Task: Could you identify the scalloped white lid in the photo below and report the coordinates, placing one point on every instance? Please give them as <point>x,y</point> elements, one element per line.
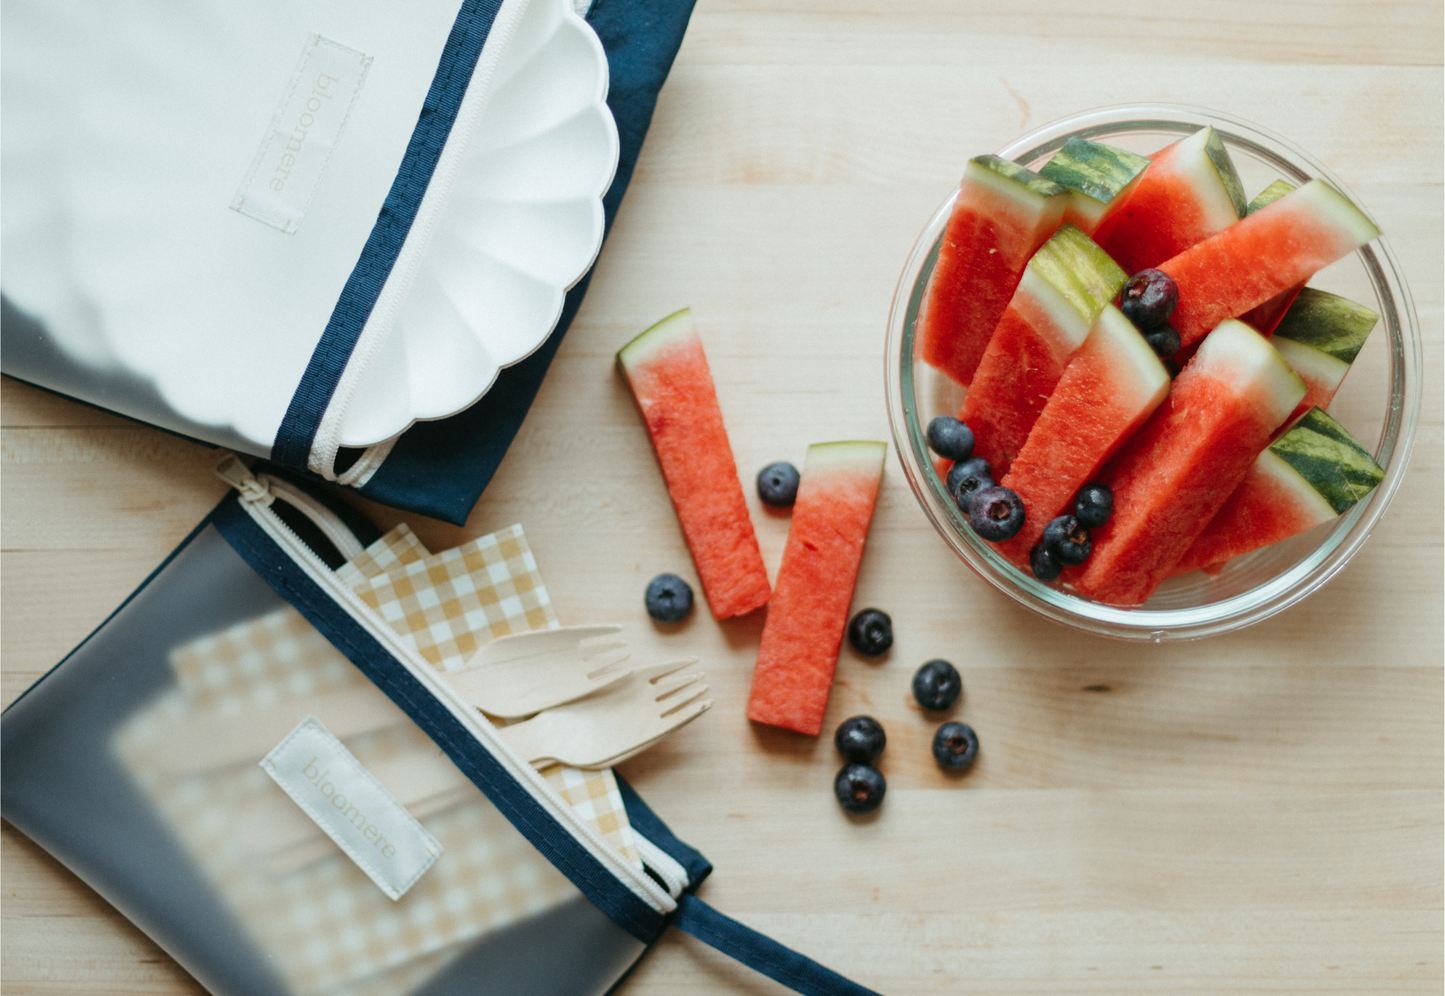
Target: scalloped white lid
<point>127,129</point>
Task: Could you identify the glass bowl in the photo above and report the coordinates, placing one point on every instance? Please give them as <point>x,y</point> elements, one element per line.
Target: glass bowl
<point>1378,402</point>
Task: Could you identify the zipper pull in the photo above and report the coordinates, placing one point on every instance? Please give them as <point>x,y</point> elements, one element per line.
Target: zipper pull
<point>239,476</point>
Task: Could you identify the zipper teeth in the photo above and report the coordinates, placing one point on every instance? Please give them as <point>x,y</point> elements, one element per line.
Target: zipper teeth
<point>474,722</point>
<point>322,517</point>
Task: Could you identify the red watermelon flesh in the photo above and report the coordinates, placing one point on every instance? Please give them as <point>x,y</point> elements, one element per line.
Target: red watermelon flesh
<point>669,376</point>
<point>1177,471</point>
<point>1266,253</point>
<point>1189,192</point>
<point>1064,287</point>
<point>809,610</point>
<point>1313,473</point>
<point>1264,318</point>
<point>1113,383</point>
<point>1002,214</point>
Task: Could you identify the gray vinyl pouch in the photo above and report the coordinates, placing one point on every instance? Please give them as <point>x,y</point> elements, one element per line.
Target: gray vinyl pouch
<point>254,767</point>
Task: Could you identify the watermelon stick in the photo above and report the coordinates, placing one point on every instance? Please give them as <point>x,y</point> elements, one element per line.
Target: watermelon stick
<point>1189,192</point>
<point>1266,317</point>
<point>1064,287</point>
<point>1002,214</point>
<point>800,642</point>
<point>1278,246</point>
<point>1113,383</point>
<point>669,376</point>
<point>1312,474</point>
<point>1320,336</point>
<point>1173,476</point>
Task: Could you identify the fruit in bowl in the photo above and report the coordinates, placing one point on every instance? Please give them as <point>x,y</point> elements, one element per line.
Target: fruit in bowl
<point>1098,406</point>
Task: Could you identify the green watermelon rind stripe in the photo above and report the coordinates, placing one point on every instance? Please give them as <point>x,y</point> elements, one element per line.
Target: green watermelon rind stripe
<point>1083,274</point>
<point>1023,177</point>
<point>1327,322</point>
<point>1094,170</point>
<point>656,336</point>
<point>1328,458</point>
<point>1269,195</point>
<point>1228,175</point>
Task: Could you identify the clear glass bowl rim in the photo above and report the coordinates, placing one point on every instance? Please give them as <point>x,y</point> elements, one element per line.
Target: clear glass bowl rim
<point>1398,322</point>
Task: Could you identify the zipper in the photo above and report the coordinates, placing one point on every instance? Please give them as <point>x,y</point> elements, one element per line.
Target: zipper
<point>257,494</point>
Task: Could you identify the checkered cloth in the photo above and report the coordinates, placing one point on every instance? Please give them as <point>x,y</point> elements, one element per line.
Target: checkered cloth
<point>325,926</point>
<point>450,603</point>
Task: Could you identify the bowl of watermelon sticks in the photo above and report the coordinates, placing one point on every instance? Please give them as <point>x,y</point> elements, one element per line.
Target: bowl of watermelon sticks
<point>1187,361</point>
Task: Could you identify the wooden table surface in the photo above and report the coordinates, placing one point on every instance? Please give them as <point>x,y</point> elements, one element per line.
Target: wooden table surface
<point>1253,813</point>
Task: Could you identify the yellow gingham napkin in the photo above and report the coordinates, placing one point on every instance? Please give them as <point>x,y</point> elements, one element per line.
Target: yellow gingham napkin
<point>322,923</point>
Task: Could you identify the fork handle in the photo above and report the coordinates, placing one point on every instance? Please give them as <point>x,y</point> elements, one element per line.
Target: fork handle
<point>530,738</point>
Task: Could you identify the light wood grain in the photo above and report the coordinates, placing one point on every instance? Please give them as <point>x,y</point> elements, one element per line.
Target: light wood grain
<point>1260,812</point>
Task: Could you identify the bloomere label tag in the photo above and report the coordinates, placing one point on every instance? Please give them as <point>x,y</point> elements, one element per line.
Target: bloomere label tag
<point>302,134</point>
<point>351,807</point>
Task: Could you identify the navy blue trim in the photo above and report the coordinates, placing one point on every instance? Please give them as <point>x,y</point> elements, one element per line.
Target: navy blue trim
<point>799,973</point>
<point>358,298</point>
<point>128,599</point>
<point>440,468</point>
<point>589,875</point>
<point>650,825</point>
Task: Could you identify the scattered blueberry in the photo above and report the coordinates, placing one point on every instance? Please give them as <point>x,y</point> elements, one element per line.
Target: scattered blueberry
<point>1043,564</point>
<point>669,598</point>
<point>1164,340</point>
<point>955,746</point>
<point>871,632</point>
<point>950,438</point>
<point>1093,505</point>
<point>860,788</point>
<point>937,685</point>
<point>996,513</point>
<point>778,484</point>
<point>1149,298</point>
<point>860,739</point>
<point>974,467</point>
<point>1067,541</point>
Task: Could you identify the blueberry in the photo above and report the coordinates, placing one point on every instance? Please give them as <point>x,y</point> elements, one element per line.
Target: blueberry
<point>955,746</point>
<point>1043,564</point>
<point>1093,505</point>
<point>950,438</point>
<point>996,513</point>
<point>937,685</point>
<point>1067,541</point>
<point>1149,298</point>
<point>871,632</point>
<point>1164,340</point>
<point>669,598</point>
<point>860,788</point>
<point>860,739</point>
<point>973,476</point>
<point>778,484</point>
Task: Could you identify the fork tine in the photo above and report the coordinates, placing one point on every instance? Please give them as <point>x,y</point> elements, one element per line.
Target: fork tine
<point>670,709</point>
<point>672,683</point>
<point>654,671</point>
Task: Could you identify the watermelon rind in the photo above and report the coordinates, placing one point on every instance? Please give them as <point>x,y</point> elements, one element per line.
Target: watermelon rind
<point>1148,379</point>
<point>655,337</point>
<point>848,453</point>
<point>1320,199</point>
<point>1328,322</point>
<point>1074,278</point>
<point>1269,195</point>
<point>1313,365</point>
<point>1097,171</point>
<point>1224,167</point>
<point>1236,353</point>
<point>1323,453</point>
<point>1010,179</point>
